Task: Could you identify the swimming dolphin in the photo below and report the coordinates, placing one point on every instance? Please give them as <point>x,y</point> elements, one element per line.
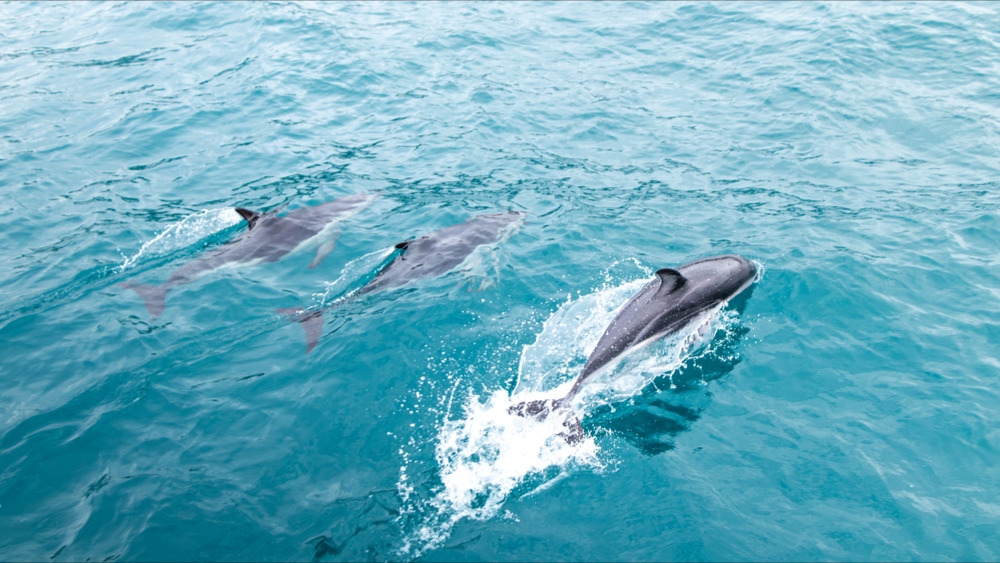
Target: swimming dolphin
<point>268,238</point>
<point>430,255</point>
<point>662,307</point>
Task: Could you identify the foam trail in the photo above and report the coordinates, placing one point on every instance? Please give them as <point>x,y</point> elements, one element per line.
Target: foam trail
<point>184,233</point>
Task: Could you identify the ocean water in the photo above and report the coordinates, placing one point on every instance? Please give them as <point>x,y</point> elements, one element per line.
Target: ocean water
<point>845,410</point>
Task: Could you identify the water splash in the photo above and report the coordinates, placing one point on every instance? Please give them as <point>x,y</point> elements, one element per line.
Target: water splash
<point>183,234</point>
<point>485,455</point>
<point>561,349</point>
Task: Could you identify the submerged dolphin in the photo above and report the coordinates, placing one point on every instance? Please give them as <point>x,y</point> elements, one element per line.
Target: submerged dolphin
<point>662,307</point>
<point>268,238</point>
<point>430,255</point>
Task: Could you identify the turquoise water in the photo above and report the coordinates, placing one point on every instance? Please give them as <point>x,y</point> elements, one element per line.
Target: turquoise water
<point>846,411</point>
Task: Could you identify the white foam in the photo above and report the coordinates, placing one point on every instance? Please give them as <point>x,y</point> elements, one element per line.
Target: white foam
<point>184,233</point>
<point>484,456</point>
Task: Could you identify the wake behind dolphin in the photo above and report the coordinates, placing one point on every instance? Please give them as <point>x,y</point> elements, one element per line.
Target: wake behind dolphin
<point>430,255</point>
<point>268,238</point>
<point>664,306</point>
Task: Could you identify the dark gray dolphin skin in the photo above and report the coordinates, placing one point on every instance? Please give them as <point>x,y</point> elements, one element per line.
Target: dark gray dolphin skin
<point>268,238</point>
<point>430,255</point>
<point>662,307</point>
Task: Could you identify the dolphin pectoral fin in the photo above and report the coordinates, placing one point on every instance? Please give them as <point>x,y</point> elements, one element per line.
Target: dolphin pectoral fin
<point>670,280</point>
<point>484,282</point>
<point>312,324</point>
<point>153,296</point>
<point>490,275</point>
<point>250,216</point>
<point>323,250</point>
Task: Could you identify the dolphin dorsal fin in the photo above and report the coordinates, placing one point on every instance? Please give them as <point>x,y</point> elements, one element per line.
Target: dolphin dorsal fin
<point>250,216</point>
<point>670,280</point>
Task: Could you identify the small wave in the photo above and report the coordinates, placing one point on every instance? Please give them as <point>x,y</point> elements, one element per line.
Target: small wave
<point>183,234</point>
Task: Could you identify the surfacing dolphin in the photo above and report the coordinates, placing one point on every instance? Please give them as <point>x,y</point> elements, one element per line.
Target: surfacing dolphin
<point>662,307</point>
<point>268,238</point>
<point>430,255</point>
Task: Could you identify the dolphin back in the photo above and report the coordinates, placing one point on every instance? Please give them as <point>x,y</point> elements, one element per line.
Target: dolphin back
<point>438,252</point>
<point>667,304</point>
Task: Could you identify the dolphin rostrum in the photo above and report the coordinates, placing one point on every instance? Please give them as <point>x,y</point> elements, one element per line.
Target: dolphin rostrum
<point>662,307</point>
<point>268,238</point>
<point>430,255</point>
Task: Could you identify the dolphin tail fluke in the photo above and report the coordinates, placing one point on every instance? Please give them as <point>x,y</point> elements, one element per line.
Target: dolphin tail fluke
<point>311,321</point>
<point>542,408</point>
<point>154,296</point>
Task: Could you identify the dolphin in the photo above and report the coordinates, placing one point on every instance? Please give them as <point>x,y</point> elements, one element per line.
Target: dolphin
<point>430,255</point>
<point>667,304</point>
<point>268,238</point>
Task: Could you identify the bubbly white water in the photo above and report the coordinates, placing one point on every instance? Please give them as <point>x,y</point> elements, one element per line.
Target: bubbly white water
<point>568,337</point>
<point>484,456</point>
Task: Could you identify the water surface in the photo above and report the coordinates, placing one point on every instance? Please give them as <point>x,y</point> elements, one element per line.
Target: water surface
<point>848,412</point>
